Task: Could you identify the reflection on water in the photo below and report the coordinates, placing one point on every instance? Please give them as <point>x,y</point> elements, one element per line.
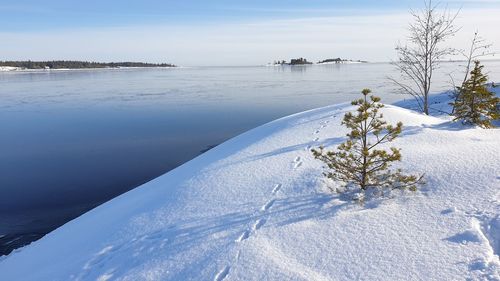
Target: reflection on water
<point>71,140</point>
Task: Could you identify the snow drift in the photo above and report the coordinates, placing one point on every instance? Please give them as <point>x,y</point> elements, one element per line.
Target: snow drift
<point>257,208</point>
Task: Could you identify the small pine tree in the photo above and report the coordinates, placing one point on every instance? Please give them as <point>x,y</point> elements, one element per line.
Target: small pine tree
<point>357,160</point>
<point>475,104</point>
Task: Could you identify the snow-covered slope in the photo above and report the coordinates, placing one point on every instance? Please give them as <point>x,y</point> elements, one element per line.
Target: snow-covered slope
<point>256,208</point>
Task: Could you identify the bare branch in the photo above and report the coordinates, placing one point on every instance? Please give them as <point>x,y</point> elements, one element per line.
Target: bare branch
<point>418,60</point>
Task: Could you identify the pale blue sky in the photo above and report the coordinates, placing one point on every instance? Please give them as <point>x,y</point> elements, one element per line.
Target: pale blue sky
<point>220,32</point>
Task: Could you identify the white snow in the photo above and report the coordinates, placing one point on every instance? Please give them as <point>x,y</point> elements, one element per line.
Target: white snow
<point>257,208</point>
<point>9,68</point>
<point>339,62</point>
<point>21,69</point>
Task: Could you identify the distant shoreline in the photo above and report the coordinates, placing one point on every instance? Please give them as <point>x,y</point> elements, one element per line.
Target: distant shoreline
<point>72,65</point>
<point>18,69</point>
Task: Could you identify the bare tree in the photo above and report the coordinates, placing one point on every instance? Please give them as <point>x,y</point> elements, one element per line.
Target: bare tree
<point>418,59</point>
<point>478,49</point>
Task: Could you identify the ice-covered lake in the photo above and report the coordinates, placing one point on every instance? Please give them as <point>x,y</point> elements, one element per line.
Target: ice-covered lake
<point>70,140</point>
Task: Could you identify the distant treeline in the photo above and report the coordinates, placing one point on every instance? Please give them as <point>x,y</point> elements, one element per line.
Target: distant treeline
<point>339,60</point>
<point>299,61</point>
<point>78,64</point>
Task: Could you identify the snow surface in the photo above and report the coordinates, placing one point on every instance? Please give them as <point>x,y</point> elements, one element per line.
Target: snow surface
<point>9,68</point>
<point>340,62</point>
<point>257,208</point>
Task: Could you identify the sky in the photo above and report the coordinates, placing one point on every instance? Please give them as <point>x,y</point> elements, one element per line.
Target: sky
<point>222,32</point>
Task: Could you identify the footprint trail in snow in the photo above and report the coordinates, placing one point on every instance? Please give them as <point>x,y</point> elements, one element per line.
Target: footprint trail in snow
<point>224,272</point>
<point>277,188</point>
<point>221,275</point>
<point>297,162</point>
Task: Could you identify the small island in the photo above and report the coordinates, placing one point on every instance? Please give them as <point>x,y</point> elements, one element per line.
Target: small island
<point>66,64</point>
<point>299,61</point>
<point>303,61</point>
<point>339,60</point>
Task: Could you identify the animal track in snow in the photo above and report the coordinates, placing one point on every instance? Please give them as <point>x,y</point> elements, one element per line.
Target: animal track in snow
<point>297,162</point>
<point>221,275</point>
<point>277,188</point>
<point>316,132</point>
<point>268,205</point>
<point>297,165</point>
<point>316,139</point>
<point>243,236</point>
<point>488,226</point>
<point>258,224</point>
<point>101,257</point>
<point>153,236</point>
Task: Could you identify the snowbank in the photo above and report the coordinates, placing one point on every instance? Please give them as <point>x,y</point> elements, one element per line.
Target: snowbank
<point>439,104</point>
<point>255,208</point>
<point>340,62</point>
<point>9,68</point>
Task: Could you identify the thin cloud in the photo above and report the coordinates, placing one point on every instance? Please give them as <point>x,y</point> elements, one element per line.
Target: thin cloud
<point>355,37</point>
